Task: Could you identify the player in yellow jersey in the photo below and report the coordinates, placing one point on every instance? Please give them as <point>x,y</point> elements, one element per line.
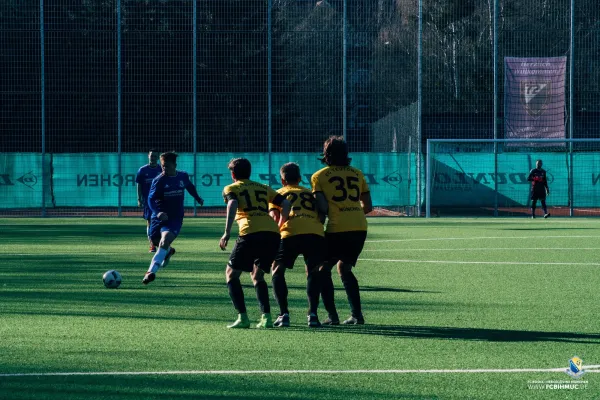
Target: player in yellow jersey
<point>302,234</point>
<point>258,240</point>
<point>343,195</point>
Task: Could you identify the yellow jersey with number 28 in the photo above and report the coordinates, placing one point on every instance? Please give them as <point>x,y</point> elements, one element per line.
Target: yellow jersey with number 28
<point>304,217</point>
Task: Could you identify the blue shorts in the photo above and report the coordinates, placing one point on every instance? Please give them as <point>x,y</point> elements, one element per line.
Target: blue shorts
<point>147,213</point>
<point>157,227</point>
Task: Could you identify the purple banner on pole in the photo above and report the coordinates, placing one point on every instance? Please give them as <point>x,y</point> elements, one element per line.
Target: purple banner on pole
<point>534,98</point>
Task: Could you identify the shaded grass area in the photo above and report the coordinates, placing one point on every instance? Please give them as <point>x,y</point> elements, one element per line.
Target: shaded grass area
<point>55,315</point>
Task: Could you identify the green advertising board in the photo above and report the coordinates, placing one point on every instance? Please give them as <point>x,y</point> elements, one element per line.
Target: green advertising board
<point>93,179</point>
<point>458,180</point>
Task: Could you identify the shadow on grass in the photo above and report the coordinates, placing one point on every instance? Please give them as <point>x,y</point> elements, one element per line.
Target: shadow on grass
<point>40,234</point>
<point>474,334</point>
<point>181,386</point>
<point>393,290</point>
<point>369,289</point>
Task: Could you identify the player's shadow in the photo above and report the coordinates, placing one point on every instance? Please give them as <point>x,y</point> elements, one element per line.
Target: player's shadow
<point>393,290</point>
<point>61,234</point>
<point>371,289</point>
<point>544,228</point>
<point>207,386</point>
<point>475,334</point>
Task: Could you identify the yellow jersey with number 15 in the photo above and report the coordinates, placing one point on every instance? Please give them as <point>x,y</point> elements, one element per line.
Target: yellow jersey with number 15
<point>342,187</point>
<point>253,205</point>
<point>304,218</point>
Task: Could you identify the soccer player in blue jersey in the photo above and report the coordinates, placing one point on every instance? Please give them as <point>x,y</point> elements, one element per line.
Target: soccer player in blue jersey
<point>166,202</point>
<point>144,178</point>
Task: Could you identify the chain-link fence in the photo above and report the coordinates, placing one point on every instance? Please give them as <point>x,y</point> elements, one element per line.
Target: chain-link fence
<point>88,87</point>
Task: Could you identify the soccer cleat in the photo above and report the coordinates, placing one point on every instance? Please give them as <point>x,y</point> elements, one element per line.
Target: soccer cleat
<point>152,249</point>
<point>313,321</point>
<point>282,321</point>
<point>332,320</point>
<point>533,217</point>
<point>242,322</point>
<point>265,321</point>
<point>168,257</point>
<point>352,320</point>
<point>149,277</point>
<point>546,215</point>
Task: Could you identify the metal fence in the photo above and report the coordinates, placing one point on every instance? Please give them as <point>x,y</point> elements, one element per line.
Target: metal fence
<point>277,76</point>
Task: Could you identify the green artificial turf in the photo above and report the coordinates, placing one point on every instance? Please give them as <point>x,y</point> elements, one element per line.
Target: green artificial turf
<point>440,294</point>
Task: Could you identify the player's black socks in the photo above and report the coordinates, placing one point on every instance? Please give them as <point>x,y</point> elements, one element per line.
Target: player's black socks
<point>262,295</point>
<point>280,291</point>
<point>237,295</point>
<point>327,291</point>
<point>544,207</point>
<point>313,284</point>
<point>352,291</point>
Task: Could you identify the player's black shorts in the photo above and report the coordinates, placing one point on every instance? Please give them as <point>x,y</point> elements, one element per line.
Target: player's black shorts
<point>345,246</point>
<point>311,246</point>
<point>258,248</point>
<point>538,194</point>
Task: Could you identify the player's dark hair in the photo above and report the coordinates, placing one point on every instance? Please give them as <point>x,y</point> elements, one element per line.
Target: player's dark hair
<point>290,173</point>
<point>152,151</point>
<point>335,152</point>
<point>241,168</point>
<point>169,156</point>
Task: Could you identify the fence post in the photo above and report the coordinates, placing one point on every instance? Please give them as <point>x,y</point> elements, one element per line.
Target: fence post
<point>194,94</point>
<point>43,110</point>
<point>119,90</point>
<point>495,116</point>
<point>571,113</point>
<point>428,180</point>
<point>344,70</point>
<point>269,86</point>
<point>420,109</point>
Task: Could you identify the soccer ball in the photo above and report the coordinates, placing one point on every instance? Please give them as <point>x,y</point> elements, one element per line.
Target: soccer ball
<point>111,279</point>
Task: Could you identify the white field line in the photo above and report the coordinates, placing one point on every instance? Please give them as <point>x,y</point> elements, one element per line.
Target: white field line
<point>76,253</point>
<point>479,262</point>
<point>487,248</point>
<point>591,368</point>
<point>482,238</point>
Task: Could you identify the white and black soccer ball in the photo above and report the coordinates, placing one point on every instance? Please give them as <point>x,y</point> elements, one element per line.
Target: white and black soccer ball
<point>111,279</point>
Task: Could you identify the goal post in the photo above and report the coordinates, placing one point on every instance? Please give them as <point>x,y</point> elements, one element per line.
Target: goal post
<point>488,177</point>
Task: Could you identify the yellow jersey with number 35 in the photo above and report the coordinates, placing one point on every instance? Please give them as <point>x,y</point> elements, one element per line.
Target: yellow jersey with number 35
<point>342,187</point>
<point>253,205</point>
<point>304,217</point>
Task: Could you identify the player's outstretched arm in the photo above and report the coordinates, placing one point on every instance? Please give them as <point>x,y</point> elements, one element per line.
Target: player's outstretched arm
<point>366,202</point>
<point>322,218</point>
<point>322,205</point>
<point>140,196</point>
<point>530,177</point>
<point>232,206</point>
<point>275,213</point>
<point>154,195</point>
<point>286,207</point>
<point>194,193</point>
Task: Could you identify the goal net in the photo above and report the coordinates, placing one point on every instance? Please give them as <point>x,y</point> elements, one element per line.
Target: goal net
<point>489,177</point>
